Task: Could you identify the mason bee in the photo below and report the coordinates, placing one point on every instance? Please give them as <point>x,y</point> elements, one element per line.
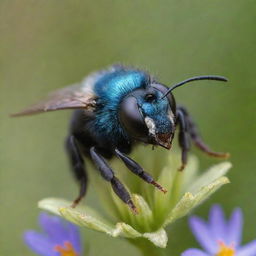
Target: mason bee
<point>115,109</point>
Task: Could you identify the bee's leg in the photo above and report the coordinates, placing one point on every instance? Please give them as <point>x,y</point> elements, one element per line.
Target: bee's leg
<point>108,174</point>
<point>184,139</point>
<point>77,167</point>
<point>138,170</point>
<point>196,138</point>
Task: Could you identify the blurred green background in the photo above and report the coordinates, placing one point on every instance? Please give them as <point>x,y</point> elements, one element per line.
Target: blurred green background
<point>48,44</point>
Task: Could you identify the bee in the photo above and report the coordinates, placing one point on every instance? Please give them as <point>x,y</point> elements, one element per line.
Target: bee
<point>114,110</point>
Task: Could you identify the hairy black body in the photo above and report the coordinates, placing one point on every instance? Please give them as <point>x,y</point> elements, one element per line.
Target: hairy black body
<point>82,127</point>
<point>116,109</point>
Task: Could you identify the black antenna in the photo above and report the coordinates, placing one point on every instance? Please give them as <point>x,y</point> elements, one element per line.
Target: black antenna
<point>195,78</point>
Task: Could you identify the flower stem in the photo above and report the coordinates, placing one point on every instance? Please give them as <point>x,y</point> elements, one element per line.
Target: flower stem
<point>147,248</point>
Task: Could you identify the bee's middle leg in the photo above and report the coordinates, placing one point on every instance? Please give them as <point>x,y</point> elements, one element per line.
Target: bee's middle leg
<point>138,170</point>
<point>77,167</point>
<point>108,174</point>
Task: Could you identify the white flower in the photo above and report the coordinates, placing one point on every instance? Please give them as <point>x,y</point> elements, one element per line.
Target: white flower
<point>186,190</point>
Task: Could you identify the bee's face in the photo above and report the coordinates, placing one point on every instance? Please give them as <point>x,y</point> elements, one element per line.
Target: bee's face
<point>148,117</point>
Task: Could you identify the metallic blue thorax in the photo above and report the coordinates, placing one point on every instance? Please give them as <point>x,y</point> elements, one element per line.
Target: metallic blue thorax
<point>115,85</point>
<point>111,87</point>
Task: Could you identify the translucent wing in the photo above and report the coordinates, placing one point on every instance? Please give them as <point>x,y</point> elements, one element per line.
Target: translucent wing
<point>71,97</point>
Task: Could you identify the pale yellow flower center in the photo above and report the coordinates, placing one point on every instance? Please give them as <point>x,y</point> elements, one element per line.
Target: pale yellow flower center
<point>66,250</point>
<point>225,250</point>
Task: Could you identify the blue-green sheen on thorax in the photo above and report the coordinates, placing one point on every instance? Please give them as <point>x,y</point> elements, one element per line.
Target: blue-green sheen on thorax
<point>111,88</point>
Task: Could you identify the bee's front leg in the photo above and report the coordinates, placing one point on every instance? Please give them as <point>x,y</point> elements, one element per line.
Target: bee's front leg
<point>138,170</point>
<point>108,174</point>
<point>77,166</point>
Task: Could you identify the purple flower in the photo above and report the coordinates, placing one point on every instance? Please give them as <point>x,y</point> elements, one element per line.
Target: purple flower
<point>59,237</point>
<point>218,236</point>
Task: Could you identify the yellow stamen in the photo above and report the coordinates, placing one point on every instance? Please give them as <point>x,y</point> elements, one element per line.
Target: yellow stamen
<point>225,250</point>
<point>66,250</point>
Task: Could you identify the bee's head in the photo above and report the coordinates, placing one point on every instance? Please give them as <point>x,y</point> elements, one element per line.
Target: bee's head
<point>148,116</point>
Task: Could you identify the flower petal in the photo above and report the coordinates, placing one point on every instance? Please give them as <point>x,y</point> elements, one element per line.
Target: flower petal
<point>158,238</point>
<point>74,237</point>
<point>247,250</point>
<point>82,216</point>
<point>217,224</point>
<point>190,173</point>
<point>84,219</point>
<point>190,201</point>
<point>215,172</point>
<point>125,230</point>
<point>87,217</point>
<point>182,208</point>
<point>203,234</point>
<point>163,203</point>
<point>194,252</point>
<point>174,182</point>
<point>143,220</point>
<point>235,226</point>
<point>39,243</point>
<point>52,204</point>
<point>53,226</point>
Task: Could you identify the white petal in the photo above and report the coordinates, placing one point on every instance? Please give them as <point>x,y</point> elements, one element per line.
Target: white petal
<point>209,176</point>
<point>87,217</point>
<point>125,230</point>
<point>144,217</point>
<point>158,238</point>
<point>190,173</point>
<point>190,201</point>
<point>81,215</point>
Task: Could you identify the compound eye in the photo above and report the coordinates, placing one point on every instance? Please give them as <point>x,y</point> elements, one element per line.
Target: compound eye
<point>132,118</point>
<point>150,97</point>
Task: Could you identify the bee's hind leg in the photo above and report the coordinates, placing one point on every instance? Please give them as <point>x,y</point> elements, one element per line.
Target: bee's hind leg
<point>77,167</point>
<point>196,138</point>
<point>138,170</point>
<point>108,174</point>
